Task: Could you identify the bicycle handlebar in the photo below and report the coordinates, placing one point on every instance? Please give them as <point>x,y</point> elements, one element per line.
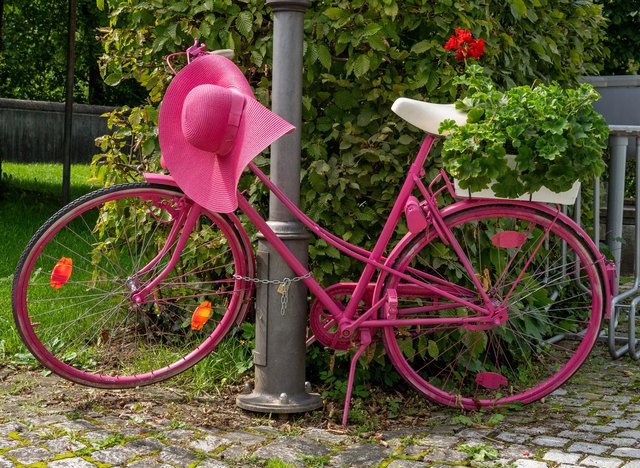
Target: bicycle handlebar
<point>228,53</point>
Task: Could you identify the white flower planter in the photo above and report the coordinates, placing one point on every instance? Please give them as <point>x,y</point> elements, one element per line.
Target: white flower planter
<point>543,195</point>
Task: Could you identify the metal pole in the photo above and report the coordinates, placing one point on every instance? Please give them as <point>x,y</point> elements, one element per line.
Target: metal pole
<point>280,349</point>
<point>615,200</point>
<point>636,261</point>
<point>68,108</point>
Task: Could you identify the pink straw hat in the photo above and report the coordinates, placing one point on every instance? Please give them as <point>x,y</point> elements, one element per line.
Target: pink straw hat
<point>210,127</point>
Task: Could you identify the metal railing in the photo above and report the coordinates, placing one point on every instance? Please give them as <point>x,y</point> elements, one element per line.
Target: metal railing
<point>626,300</point>
<point>621,333</point>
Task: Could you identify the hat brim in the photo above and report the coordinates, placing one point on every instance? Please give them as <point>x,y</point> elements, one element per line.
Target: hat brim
<point>208,179</point>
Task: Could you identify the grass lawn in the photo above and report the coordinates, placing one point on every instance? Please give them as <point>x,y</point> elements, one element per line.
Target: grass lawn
<point>29,195</point>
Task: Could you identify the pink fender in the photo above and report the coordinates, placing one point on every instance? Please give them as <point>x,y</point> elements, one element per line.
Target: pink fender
<point>234,222</point>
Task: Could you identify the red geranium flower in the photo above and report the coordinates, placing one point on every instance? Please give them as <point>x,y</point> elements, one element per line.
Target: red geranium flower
<point>465,45</point>
<point>476,48</point>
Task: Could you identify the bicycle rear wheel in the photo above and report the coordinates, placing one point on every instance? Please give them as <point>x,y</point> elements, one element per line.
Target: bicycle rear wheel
<point>554,298</point>
<point>82,322</point>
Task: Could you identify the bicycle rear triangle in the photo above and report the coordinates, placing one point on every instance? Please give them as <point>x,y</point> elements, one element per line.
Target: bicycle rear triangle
<point>481,302</point>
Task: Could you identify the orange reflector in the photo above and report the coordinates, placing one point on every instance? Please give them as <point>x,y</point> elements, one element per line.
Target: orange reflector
<point>61,272</point>
<point>201,315</point>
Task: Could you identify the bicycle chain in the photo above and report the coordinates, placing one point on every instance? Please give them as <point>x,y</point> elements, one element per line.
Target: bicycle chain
<point>283,287</point>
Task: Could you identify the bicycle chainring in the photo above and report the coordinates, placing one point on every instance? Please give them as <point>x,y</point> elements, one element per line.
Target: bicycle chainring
<point>324,326</point>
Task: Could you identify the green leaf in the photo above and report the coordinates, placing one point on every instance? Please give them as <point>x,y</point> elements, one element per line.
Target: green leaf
<point>333,13</point>
<point>244,23</point>
<point>475,114</point>
<point>391,10</point>
<point>179,6</point>
<point>371,29</point>
<point>461,419</point>
<point>495,419</point>
<point>475,342</point>
<point>148,147</point>
<point>518,8</point>
<point>421,47</point>
<point>332,252</point>
<point>361,66</point>
<point>172,31</point>
<point>405,139</point>
<point>113,79</point>
<point>432,349</point>
<point>406,346</point>
<point>324,55</point>
<point>317,182</point>
<point>378,43</point>
<point>432,81</point>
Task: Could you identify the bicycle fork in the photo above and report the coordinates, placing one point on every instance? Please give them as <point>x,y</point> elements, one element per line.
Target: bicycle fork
<point>183,224</point>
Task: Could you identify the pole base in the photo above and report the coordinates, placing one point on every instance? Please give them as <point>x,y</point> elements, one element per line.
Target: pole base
<point>281,404</point>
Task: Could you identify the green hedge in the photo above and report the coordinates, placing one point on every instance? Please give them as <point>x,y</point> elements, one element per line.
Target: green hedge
<point>359,56</point>
<point>623,37</point>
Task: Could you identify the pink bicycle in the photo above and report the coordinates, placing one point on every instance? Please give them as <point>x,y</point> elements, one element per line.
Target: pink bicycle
<point>483,302</point>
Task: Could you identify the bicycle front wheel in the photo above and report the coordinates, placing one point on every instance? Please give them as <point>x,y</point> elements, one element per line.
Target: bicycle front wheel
<point>73,288</point>
<point>531,263</point>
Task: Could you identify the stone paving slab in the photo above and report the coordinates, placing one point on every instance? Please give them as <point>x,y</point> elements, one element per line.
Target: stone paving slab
<point>593,421</point>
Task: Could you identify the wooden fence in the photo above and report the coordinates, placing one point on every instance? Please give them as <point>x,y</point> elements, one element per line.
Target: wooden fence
<point>33,131</point>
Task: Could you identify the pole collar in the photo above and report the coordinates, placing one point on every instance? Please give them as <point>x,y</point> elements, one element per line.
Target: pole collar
<point>289,5</point>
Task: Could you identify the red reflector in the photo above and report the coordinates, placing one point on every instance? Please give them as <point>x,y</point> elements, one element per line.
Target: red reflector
<point>509,239</point>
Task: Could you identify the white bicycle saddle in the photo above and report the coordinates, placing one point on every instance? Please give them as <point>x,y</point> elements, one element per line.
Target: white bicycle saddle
<point>427,116</point>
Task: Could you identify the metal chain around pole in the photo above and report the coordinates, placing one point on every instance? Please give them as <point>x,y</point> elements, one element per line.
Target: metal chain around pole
<point>283,286</point>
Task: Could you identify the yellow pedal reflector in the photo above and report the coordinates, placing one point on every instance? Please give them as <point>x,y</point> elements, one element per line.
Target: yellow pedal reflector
<point>201,315</point>
<point>61,272</point>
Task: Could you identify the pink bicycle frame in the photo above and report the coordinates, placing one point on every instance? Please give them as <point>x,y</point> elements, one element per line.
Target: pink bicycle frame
<point>373,260</point>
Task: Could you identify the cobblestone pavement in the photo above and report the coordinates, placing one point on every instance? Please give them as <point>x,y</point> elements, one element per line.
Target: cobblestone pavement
<point>594,420</point>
